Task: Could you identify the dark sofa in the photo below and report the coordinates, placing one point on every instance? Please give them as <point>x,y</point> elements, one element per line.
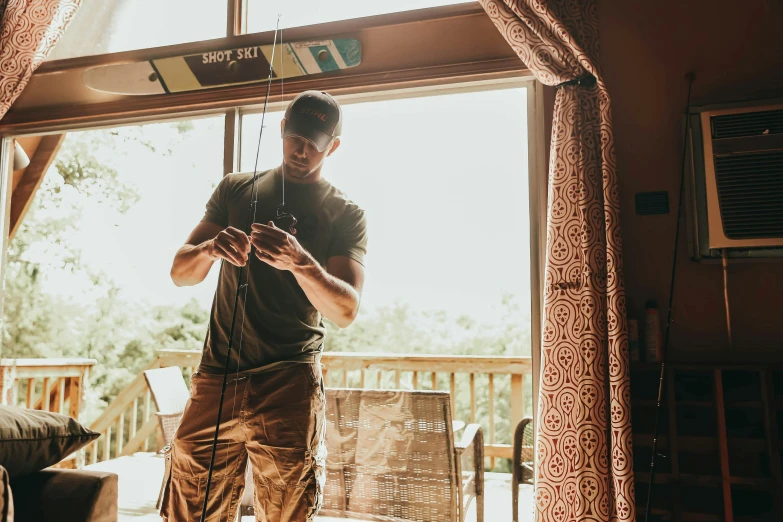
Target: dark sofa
<point>61,495</point>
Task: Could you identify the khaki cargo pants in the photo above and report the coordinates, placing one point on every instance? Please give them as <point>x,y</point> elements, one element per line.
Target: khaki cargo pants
<point>277,419</point>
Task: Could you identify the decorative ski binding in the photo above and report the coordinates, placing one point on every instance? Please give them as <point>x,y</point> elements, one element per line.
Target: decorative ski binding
<point>282,218</point>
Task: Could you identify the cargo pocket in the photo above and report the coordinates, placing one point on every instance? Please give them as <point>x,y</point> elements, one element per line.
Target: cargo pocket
<point>163,496</point>
<point>316,456</point>
<point>319,481</point>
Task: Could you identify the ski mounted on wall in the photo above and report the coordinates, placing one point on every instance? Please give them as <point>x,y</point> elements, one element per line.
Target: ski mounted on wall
<point>223,68</point>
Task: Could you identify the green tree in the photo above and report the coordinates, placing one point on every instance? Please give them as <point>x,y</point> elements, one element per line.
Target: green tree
<point>40,323</point>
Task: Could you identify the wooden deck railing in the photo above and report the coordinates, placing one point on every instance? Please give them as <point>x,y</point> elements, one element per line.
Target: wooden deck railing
<point>46,384</point>
<point>486,389</point>
<point>127,424</point>
<point>476,384</point>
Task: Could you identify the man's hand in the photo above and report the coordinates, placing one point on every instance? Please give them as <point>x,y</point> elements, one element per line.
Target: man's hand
<point>232,245</point>
<point>277,247</point>
<point>336,295</point>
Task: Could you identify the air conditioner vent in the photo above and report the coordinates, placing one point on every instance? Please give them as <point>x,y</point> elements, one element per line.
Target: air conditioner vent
<point>744,124</point>
<point>750,193</point>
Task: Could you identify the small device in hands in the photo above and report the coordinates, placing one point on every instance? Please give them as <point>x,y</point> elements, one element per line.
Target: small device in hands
<point>284,220</point>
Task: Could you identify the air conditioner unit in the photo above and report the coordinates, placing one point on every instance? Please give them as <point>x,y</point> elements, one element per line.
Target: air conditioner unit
<point>737,180</point>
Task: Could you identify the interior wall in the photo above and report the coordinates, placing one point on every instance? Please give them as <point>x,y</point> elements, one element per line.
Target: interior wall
<point>735,50</point>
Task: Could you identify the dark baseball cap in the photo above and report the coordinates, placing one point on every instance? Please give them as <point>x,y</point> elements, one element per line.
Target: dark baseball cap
<point>314,116</point>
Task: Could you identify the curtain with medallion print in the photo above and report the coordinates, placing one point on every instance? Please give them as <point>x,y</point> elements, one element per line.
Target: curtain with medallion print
<point>29,29</point>
<point>583,447</point>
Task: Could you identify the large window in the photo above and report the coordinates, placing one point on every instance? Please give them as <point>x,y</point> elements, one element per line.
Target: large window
<point>442,174</point>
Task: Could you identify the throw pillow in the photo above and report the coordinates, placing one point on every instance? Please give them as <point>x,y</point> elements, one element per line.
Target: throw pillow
<point>31,440</point>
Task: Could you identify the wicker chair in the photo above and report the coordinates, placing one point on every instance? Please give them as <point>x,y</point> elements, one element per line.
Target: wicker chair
<point>522,464</point>
<point>392,457</point>
<point>170,394</point>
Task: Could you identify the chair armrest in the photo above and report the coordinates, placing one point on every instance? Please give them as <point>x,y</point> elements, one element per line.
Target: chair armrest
<point>470,450</point>
<point>521,465</point>
<point>472,431</point>
<point>66,495</point>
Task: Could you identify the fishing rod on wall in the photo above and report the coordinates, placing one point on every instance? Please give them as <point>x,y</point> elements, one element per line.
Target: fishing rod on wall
<point>667,335</point>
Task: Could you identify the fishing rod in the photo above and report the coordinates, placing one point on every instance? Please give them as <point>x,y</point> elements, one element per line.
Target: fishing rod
<point>241,287</point>
<point>667,336</point>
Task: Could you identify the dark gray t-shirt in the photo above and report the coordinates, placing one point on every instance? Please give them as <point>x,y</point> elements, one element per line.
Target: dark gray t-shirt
<point>280,323</point>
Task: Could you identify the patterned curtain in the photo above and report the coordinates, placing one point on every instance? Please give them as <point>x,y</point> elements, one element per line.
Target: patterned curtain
<point>584,452</point>
<point>29,29</point>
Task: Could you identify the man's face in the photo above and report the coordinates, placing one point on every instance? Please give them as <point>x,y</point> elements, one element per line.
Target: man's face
<point>302,158</point>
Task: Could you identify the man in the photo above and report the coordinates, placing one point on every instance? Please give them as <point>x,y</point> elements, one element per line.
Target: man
<point>274,407</point>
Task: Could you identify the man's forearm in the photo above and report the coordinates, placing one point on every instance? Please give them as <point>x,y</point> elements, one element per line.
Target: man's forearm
<point>334,298</point>
<point>191,264</point>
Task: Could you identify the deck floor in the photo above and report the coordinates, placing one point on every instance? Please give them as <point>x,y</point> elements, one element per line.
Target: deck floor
<point>140,477</point>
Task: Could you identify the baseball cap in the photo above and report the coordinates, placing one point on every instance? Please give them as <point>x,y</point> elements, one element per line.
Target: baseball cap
<point>314,116</point>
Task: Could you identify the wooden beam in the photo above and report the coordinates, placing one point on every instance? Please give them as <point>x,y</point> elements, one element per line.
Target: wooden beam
<point>231,135</point>
<point>46,397</point>
<point>438,363</point>
<point>501,451</point>
<point>452,392</point>
<point>134,417</point>
<point>75,397</point>
<point>517,398</point>
<point>236,21</point>
<point>30,393</point>
<point>120,431</point>
<point>178,358</point>
<point>137,441</point>
<point>33,372</point>
<point>60,397</point>
<point>107,444</point>
<point>472,397</point>
<point>48,363</point>
<point>492,416</point>
<point>461,42</point>
<point>33,175</point>
<point>147,397</point>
